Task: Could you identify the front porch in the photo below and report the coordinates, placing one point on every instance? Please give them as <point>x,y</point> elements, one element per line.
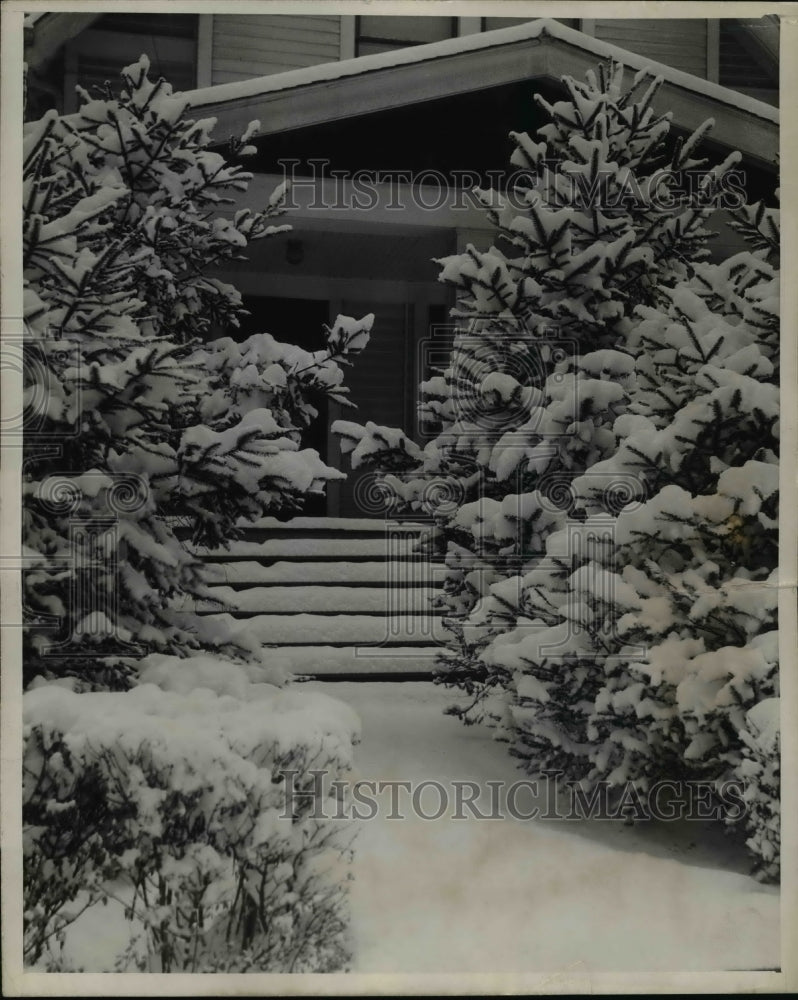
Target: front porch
<point>293,285</point>
<point>371,217</point>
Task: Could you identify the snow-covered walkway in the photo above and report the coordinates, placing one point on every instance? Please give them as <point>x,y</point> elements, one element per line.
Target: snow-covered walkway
<point>508,895</point>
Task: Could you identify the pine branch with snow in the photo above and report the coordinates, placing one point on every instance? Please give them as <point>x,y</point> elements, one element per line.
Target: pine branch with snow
<point>152,781</point>
<point>539,372</point>
<point>127,213</point>
<point>603,469</point>
<point>674,617</point>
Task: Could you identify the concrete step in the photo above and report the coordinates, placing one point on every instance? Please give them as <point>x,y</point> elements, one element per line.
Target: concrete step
<point>337,630</point>
<point>346,662</point>
<point>336,598</point>
<point>301,546</point>
<point>322,599</point>
<point>347,525</point>
<point>344,572</point>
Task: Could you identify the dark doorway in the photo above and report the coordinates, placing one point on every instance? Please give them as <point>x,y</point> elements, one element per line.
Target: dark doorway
<point>300,322</point>
<point>379,382</point>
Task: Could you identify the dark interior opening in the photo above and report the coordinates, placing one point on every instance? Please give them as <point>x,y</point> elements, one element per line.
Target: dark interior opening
<point>300,322</point>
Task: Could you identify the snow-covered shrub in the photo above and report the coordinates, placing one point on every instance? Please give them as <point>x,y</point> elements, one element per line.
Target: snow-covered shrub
<point>145,420</point>
<point>175,804</point>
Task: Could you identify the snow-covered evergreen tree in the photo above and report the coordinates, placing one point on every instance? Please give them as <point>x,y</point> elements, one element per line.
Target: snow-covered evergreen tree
<point>136,419</point>
<point>666,616</point>
<point>642,644</point>
<point>696,590</point>
<point>608,429</point>
<point>536,377</point>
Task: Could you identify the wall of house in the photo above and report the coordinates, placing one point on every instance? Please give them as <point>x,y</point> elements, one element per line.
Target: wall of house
<point>244,46</point>
<point>679,42</point>
<point>200,50</point>
<point>747,58</point>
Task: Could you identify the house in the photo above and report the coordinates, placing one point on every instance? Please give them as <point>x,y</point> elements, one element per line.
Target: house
<point>384,124</point>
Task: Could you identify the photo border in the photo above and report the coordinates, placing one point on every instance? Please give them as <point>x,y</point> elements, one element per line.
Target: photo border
<point>17,982</point>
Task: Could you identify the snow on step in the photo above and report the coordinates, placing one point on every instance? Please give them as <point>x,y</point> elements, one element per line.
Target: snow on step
<point>373,600</point>
<point>343,629</point>
<point>310,524</point>
<point>378,571</point>
<point>321,661</point>
<point>378,546</point>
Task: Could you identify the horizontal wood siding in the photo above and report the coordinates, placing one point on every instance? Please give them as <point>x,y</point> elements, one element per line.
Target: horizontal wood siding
<point>250,45</point>
<point>678,42</point>
<point>744,64</point>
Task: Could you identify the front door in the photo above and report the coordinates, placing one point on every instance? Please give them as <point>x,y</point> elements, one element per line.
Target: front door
<point>379,382</point>
<point>300,322</point>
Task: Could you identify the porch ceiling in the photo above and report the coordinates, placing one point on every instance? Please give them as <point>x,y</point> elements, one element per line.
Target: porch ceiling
<point>402,257</point>
<point>461,136</point>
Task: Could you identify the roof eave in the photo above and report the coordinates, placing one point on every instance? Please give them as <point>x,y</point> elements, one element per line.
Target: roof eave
<point>46,33</point>
<point>284,104</point>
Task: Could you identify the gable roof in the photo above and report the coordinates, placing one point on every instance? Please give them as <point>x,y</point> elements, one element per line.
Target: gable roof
<point>46,32</point>
<point>536,49</point>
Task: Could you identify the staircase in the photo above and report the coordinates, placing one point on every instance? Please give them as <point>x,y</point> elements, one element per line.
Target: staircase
<point>343,599</point>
